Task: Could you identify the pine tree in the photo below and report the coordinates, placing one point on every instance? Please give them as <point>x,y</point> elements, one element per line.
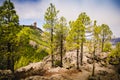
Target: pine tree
<point>96,39</point>
<point>74,38</point>
<point>77,34</point>
<point>61,31</point>
<point>9,22</point>
<point>106,34</point>
<point>51,18</point>
<point>114,56</point>
<point>84,21</point>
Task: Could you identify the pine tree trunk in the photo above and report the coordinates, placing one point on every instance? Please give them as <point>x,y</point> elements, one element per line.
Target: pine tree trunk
<point>81,54</point>
<point>52,56</point>
<point>102,44</point>
<point>12,64</point>
<point>93,70</point>
<point>77,62</point>
<point>61,51</point>
<point>8,57</point>
<point>8,62</point>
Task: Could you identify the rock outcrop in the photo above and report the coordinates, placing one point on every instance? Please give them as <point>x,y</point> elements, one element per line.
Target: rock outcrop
<point>43,71</point>
<point>6,74</point>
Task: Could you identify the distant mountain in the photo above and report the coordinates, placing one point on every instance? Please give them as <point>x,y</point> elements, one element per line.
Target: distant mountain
<point>115,41</point>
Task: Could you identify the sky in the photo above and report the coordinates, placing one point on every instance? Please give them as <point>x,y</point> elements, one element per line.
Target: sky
<point>104,11</point>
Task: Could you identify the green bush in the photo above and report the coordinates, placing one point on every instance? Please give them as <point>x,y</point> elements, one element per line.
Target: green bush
<point>114,56</point>
<point>23,61</point>
<point>57,63</point>
<point>107,47</point>
<point>26,52</point>
<point>30,55</point>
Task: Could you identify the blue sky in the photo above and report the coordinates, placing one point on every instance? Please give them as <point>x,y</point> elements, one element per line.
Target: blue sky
<point>104,11</point>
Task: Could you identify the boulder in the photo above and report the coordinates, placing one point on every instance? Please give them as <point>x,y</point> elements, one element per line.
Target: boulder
<point>6,74</point>
<point>89,56</point>
<point>97,58</point>
<point>94,78</point>
<point>32,69</point>
<point>53,77</point>
<point>87,68</point>
<point>36,78</point>
<point>90,61</point>
<point>103,73</point>
<point>102,63</point>
<point>58,69</point>
<point>57,77</point>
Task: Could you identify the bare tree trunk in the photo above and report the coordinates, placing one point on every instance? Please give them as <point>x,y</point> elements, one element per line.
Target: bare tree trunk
<point>8,56</point>
<point>81,54</point>
<point>8,62</point>
<point>93,70</point>
<point>61,51</point>
<point>77,62</point>
<point>52,56</point>
<point>102,44</point>
<point>12,64</point>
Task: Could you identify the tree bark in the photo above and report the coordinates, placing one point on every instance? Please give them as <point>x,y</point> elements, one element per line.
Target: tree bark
<point>8,57</point>
<point>8,62</point>
<point>93,70</point>
<point>81,54</point>
<point>77,62</point>
<point>102,44</point>
<point>12,64</point>
<point>52,56</point>
<point>61,51</point>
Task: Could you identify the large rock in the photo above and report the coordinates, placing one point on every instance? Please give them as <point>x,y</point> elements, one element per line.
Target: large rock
<point>53,77</point>
<point>6,74</point>
<point>36,78</point>
<point>32,69</point>
<point>94,78</point>
<point>58,69</point>
<point>103,64</point>
<point>90,61</point>
<point>69,60</point>
<point>57,77</point>
<point>103,73</point>
<point>87,68</point>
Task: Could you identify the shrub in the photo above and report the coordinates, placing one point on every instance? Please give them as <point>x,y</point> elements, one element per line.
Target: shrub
<point>57,63</point>
<point>107,47</point>
<point>114,56</point>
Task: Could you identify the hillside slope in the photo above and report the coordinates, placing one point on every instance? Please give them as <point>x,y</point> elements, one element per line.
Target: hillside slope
<point>43,71</point>
<point>31,48</point>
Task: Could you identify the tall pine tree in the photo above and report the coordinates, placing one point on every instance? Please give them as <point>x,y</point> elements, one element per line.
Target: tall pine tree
<point>9,22</point>
<point>106,34</point>
<point>77,34</point>
<point>84,22</point>
<point>51,18</point>
<point>96,40</point>
<point>61,31</point>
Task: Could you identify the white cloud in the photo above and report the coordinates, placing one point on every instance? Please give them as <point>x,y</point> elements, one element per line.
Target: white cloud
<point>31,10</point>
<point>103,12</point>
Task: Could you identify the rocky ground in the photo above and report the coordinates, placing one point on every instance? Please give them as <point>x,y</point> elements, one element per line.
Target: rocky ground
<point>43,71</point>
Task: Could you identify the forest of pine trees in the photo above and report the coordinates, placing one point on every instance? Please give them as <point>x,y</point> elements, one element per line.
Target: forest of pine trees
<point>58,37</point>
